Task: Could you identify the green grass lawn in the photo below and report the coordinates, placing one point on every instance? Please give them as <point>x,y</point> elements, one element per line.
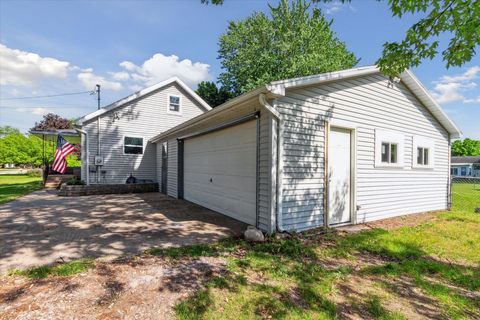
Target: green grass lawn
<point>431,269</point>
<point>14,186</point>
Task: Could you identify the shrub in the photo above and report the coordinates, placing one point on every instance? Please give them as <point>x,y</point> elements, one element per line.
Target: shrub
<point>75,182</point>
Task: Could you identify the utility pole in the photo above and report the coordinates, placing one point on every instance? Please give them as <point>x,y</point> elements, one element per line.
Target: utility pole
<point>98,95</point>
<point>98,132</point>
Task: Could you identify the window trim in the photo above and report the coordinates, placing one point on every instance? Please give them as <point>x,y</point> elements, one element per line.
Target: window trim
<point>133,136</point>
<point>390,137</point>
<point>180,107</point>
<point>423,143</point>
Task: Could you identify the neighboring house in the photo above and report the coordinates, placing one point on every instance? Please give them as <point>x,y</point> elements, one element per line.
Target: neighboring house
<point>466,166</point>
<point>331,149</point>
<point>126,127</point>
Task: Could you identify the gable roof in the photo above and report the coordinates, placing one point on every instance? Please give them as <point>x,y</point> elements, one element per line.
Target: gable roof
<point>139,94</point>
<point>277,89</point>
<point>407,77</point>
<point>466,159</point>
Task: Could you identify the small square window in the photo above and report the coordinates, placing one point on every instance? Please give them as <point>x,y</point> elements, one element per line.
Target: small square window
<point>132,145</point>
<point>422,156</point>
<point>389,152</point>
<point>174,103</point>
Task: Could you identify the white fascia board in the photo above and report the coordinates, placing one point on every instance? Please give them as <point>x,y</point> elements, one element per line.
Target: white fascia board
<point>140,94</point>
<point>324,77</point>
<point>422,94</point>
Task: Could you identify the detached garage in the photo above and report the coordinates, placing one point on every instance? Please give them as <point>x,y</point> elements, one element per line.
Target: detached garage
<point>325,150</point>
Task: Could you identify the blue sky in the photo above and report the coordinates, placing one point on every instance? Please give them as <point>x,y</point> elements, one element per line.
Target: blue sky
<point>51,47</point>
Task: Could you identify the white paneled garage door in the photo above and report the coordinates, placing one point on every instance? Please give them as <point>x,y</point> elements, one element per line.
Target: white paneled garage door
<point>220,171</point>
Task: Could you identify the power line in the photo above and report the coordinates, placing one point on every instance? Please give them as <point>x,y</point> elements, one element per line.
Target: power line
<point>48,96</point>
<point>52,107</point>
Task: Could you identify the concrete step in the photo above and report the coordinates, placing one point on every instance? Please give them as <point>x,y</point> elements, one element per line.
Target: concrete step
<point>55,180</point>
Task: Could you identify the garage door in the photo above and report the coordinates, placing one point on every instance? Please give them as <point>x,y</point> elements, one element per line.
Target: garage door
<point>220,171</point>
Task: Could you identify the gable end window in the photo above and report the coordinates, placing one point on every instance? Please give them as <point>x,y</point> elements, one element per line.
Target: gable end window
<point>389,152</point>
<point>389,149</point>
<point>422,156</point>
<point>423,153</point>
<point>132,145</point>
<point>174,104</point>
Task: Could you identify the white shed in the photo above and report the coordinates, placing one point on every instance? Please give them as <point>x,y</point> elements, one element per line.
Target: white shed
<point>325,150</point>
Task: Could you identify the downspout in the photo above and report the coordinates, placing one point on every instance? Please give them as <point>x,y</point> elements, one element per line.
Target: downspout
<point>85,133</point>
<point>278,190</point>
<point>449,187</point>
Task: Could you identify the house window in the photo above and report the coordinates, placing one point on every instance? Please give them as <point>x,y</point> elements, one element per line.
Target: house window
<point>389,152</point>
<point>422,156</point>
<point>463,171</point>
<point>389,149</point>
<point>423,153</point>
<point>133,145</point>
<point>174,104</point>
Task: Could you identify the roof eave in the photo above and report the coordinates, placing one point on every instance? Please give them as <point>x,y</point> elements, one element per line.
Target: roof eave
<point>141,93</point>
<point>425,97</point>
<point>221,108</point>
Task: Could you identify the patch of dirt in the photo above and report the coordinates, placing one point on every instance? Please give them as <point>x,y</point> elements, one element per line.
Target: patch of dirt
<point>410,220</point>
<point>351,296</point>
<point>137,288</point>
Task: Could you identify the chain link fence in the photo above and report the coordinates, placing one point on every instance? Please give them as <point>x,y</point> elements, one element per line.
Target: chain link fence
<point>465,193</point>
<point>473,181</point>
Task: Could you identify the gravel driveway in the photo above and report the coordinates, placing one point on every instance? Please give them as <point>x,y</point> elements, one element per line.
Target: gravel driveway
<point>42,228</point>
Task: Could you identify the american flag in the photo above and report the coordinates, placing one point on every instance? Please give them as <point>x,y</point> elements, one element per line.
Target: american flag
<point>63,150</point>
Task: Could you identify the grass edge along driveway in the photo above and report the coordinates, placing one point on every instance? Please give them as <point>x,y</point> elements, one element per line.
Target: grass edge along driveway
<point>13,186</point>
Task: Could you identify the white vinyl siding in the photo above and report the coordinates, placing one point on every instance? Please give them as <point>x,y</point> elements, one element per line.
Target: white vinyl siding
<point>172,169</point>
<point>145,117</point>
<point>370,104</point>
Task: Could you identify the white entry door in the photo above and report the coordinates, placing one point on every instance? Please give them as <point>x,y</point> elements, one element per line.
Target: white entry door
<point>220,171</point>
<point>339,175</point>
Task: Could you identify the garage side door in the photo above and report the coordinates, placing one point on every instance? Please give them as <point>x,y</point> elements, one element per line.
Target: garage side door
<point>220,171</point>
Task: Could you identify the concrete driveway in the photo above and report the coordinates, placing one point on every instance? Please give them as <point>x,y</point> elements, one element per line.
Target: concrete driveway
<point>42,228</point>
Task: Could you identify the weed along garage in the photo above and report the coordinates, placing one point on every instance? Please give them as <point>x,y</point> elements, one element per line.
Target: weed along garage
<point>325,150</point>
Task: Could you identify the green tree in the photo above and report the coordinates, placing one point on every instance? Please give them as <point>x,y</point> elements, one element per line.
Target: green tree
<point>213,95</point>
<point>6,130</point>
<point>294,41</point>
<point>467,147</point>
<point>457,19</point>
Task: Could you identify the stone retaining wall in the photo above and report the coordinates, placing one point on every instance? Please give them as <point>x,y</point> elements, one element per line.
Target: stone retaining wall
<point>78,190</point>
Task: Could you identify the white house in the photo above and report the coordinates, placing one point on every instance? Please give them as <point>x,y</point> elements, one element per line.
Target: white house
<point>467,166</point>
<point>116,138</point>
<point>325,150</point>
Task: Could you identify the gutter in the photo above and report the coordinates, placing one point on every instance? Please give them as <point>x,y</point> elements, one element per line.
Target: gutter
<point>85,133</point>
<point>278,186</point>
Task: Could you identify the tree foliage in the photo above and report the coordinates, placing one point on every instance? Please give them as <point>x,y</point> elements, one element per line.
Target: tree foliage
<point>457,19</point>
<point>51,122</point>
<point>213,95</point>
<point>467,147</point>
<point>293,41</point>
<point>27,150</point>
<point>460,19</point>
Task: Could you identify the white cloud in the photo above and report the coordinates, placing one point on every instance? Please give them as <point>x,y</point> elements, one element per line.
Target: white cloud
<point>470,74</point>
<point>120,76</point>
<point>336,6</point>
<point>89,80</point>
<point>160,67</point>
<point>454,88</point>
<point>25,68</point>
<point>39,111</point>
